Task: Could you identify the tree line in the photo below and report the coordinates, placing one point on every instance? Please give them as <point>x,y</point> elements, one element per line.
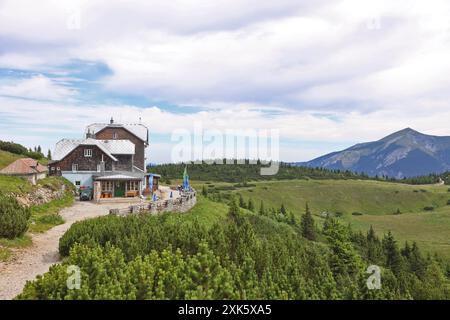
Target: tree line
<point>16,148</point>
<point>246,171</point>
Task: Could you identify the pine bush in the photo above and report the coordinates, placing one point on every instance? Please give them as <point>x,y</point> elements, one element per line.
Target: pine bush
<point>13,217</point>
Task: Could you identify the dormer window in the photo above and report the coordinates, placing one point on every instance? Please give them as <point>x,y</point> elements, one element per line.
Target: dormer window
<point>88,152</point>
<point>115,135</point>
<point>74,167</point>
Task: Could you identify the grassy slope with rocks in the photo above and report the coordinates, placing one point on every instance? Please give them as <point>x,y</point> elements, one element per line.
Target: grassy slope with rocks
<point>43,216</point>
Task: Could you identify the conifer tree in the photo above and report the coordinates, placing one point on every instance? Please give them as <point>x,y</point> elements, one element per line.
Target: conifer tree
<point>49,155</point>
<point>242,203</point>
<point>374,251</point>
<point>307,225</point>
<point>392,254</point>
<point>262,211</point>
<point>416,261</point>
<point>233,210</point>
<point>251,205</point>
<point>283,209</point>
<point>204,191</point>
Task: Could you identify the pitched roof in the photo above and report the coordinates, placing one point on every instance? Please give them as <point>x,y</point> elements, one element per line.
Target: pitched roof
<point>109,147</point>
<point>139,130</point>
<point>24,166</point>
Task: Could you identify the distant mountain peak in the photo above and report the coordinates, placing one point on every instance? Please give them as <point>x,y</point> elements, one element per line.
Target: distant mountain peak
<point>405,153</point>
<point>406,131</point>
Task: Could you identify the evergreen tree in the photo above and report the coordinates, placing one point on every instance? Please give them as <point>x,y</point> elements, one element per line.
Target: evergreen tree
<point>374,250</point>
<point>204,191</point>
<point>392,255</point>
<point>242,203</point>
<point>233,210</point>
<point>406,251</point>
<point>292,219</point>
<point>251,205</point>
<point>262,211</point>
<point>343,258</point>
<point>307,225</point>
<point>416,261</point>
<point>49,155</point>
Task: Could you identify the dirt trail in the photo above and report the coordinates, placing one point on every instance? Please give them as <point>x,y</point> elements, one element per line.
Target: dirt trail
<point>36,259</point>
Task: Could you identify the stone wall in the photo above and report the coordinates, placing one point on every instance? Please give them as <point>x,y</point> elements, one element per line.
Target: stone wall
<point>40,195</point>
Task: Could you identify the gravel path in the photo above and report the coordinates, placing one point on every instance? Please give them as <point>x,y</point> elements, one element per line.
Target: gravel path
<point>36,259</point>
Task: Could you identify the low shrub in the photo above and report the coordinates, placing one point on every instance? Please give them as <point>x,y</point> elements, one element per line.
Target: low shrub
<point>13,217</point>
<point>357,214</point>
<point>429,208</point>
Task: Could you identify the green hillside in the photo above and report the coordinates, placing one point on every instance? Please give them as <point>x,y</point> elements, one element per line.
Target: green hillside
<point>360,203</point>
<point>218,251</point>
<point>7,157</point>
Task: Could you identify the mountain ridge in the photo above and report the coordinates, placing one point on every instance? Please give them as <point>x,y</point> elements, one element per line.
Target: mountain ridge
<point>402,154</point>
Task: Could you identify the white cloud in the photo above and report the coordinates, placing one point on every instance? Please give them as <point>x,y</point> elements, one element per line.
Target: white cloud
<point>53,121</point>
<point>37,87</point>
<point>348,70</point>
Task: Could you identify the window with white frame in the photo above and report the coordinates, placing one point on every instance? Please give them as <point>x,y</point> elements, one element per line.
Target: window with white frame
<point>132,185</point>
<point>99,167</point>
<point>88,152</point>
<point>74,167</point>
<point>107,186</point>
<point>115,135</point>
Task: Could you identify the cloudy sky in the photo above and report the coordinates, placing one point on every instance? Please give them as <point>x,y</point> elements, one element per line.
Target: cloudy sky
<point>327,74</point>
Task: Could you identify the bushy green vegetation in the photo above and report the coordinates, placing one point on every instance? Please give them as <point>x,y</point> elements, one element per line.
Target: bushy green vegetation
<point>43,216</point>
<point>243,255</point>
<point>13,217</point>
<point>20,150</point>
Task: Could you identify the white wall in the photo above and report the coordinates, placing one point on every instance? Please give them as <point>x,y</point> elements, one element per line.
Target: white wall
<point>84,178</point>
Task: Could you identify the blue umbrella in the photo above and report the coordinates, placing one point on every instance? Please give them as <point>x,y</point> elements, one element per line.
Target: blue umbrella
<point>150,182</point>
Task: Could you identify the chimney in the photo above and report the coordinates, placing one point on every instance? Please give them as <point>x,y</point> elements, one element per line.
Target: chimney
<point>89,134</point>
<point>111,121</point>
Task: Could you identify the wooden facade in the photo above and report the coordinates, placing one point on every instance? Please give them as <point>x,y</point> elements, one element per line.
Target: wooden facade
<point>120,133</point>
<point>78,160</point>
